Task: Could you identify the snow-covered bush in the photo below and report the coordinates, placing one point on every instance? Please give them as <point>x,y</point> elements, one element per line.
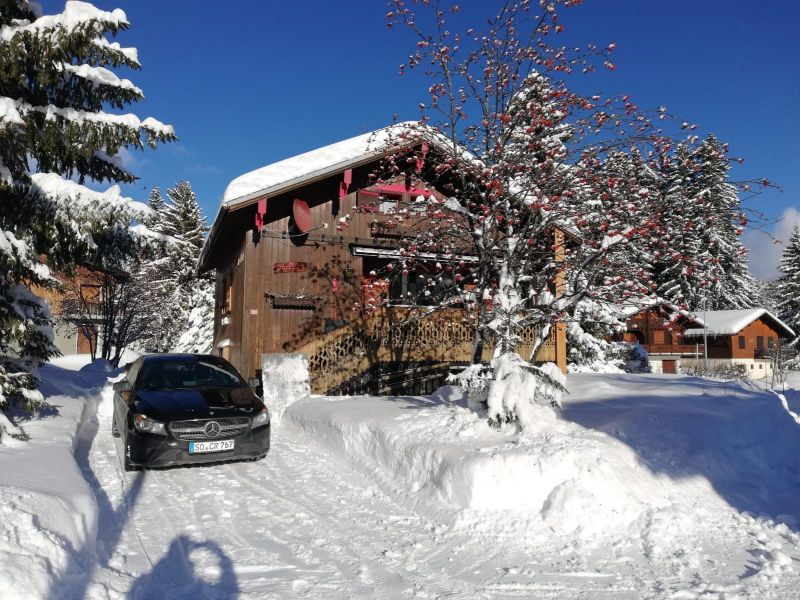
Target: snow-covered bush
<point>474,381</point>
<point>718,371</point>
<point>510,388</point>
<point>517,387</point>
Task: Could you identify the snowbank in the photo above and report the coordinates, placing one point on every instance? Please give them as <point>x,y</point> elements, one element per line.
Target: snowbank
<point>48,514</point>
<point>285,379</point>
<point>634,457</point>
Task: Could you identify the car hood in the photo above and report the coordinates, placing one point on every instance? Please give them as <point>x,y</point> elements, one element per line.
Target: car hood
<point>166,405</point>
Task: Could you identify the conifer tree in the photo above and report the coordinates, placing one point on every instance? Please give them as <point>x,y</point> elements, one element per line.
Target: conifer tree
<point>788,285</point>
<point>701,260</point>
<point>55,135</point>
<point>182,298</point>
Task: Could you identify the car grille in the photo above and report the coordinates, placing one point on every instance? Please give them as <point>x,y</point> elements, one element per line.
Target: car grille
<point>195,430</point>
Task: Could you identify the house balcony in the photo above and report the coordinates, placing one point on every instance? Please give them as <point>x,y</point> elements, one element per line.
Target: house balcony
<point>690,350</point>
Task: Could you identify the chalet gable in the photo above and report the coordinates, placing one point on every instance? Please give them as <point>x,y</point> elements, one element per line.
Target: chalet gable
<point>325,174</point>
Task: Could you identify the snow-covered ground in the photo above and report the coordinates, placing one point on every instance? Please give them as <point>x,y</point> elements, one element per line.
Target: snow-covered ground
<point>647,486</point>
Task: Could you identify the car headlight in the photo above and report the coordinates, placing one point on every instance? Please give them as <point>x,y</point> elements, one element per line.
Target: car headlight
<point>145,424</point>
<point>261,418</point>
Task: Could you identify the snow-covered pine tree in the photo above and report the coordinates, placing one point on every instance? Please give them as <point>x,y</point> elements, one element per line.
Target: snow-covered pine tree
<point>185,302</point>
<point>701,258</point>
<point>788,285</point>
<point>157,205</point>
<point>621,183</point>
<point>55,135</point>
<point>737,287</point>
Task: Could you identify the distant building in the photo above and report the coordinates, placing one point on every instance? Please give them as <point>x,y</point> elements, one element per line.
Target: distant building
<point>674,338</point>
<point>75,311</point>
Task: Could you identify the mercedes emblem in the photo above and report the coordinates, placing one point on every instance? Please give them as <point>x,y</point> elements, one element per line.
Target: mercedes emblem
<point>212,429</point>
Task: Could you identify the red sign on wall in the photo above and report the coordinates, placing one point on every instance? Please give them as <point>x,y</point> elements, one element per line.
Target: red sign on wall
<point>289,267</point>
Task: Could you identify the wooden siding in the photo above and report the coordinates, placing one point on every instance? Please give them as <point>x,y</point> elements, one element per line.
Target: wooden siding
<point>316,287</point>
<point>751,334</point>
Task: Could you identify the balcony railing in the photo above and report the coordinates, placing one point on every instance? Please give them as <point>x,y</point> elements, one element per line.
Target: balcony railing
<point>403,335</point>
<point>678,349</point>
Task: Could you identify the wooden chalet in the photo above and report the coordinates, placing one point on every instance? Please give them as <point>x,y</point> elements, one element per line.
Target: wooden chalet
<point>300,249</point>
<point>674,338</point>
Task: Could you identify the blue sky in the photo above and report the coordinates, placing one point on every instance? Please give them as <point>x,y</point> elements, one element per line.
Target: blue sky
<point>247,82</point>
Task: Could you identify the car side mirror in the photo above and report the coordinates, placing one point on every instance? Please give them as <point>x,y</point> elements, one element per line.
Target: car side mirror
<point>124,389</point>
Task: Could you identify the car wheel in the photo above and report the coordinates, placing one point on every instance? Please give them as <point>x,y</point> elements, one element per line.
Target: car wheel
<point>114,428</point>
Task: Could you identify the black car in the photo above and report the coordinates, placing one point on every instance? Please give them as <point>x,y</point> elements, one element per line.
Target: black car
<point>180,409</point>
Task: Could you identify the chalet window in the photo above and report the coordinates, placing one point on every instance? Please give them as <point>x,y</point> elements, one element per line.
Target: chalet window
<point>770,342</point>
<point>385,203</point>
<point>760,342</point>
<point>742,343</point>
<point>659,337</point>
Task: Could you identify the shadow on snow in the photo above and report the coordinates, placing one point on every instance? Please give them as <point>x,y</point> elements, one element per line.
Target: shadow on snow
<point>738,438</point>
<point>174,573</point>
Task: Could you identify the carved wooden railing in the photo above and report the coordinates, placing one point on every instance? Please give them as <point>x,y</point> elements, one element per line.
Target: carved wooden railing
<point>402,335</point>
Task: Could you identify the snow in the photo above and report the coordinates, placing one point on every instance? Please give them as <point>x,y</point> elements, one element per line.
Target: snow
<point>101,76</point>
<point>285,379</point>
<point>76,14</point>
<point>9,115</point>
<point>48,516</point>
<point>331,158</point>
<point>643,487</point>
<point>731,322</point>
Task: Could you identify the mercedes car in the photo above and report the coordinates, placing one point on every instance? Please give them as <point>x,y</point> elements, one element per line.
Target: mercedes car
<point>184,409</point>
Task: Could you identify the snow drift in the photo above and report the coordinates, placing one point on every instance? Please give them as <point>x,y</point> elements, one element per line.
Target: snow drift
<point>632,457</point>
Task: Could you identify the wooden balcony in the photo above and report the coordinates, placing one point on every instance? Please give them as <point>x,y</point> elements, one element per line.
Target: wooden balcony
<point>400,335</point>
<point>676,349</point>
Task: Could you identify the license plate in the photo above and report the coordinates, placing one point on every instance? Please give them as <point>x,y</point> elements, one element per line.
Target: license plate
<point>215,446</point>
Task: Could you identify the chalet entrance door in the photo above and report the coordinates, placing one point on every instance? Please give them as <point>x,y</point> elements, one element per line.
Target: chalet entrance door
<point>670,367</point>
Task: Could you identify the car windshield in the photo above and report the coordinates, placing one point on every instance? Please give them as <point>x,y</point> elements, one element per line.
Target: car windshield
<point>188,372</point>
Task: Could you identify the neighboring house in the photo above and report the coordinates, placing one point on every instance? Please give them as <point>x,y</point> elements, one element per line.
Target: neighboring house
<point>674,338</point>
<point>75,310</point>
<point>301,247</point>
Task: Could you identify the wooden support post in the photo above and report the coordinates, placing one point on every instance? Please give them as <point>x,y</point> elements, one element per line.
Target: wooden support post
<point>561,327</point>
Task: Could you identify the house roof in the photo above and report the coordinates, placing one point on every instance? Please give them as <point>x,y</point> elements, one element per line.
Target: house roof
<point>731,322</point>
<point>280,176</point>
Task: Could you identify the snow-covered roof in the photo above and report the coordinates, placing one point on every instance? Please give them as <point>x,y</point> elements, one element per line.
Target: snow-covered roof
<point>322,162</point>
<point>286,175</point>
<point>731,322</point>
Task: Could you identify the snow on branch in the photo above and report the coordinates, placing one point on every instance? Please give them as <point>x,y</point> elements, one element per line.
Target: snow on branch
<point>76,15</point>
<point>55,187</point>
<point>98,76</point>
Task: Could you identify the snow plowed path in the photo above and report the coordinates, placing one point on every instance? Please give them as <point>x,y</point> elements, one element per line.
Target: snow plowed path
<point>303,523</point>
<point>296,524</point>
